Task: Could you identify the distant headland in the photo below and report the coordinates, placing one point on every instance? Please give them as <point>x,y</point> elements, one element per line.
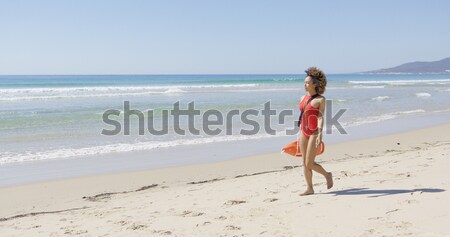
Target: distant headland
<point>438,67</point>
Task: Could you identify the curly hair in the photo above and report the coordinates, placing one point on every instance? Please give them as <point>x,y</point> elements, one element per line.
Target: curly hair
<point>318,77</point>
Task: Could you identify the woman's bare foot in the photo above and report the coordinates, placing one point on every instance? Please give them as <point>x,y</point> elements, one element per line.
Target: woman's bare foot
<point>307,192</point>
<point>329,178</point>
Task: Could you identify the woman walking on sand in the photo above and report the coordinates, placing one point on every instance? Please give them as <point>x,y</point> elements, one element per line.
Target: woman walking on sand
<point>311,126</point>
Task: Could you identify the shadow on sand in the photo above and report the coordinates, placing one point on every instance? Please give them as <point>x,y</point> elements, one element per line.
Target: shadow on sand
<point>384,192</point>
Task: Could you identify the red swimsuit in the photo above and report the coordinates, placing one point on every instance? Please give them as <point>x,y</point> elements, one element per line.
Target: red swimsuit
<point>309,118</point>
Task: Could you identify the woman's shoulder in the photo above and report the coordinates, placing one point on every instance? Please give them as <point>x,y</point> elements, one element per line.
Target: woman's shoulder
<point>320,99</point>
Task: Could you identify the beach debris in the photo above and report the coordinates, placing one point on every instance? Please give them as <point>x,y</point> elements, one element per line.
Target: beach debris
<point>267,172</point>
<point>40,213</point>
<point>271,200</point>
<point>206,181</point>
<point>392,211</point>
<point>146,187</point>
<point>258,173</point>
<point>104,196</point>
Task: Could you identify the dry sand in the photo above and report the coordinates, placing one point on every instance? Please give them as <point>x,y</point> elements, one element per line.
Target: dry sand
<point>394,185</point>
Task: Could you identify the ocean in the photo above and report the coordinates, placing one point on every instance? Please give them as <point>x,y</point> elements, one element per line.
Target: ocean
<point>55,117</point>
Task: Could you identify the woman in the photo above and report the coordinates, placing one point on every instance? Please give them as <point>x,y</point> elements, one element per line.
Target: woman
<point>311,126</point>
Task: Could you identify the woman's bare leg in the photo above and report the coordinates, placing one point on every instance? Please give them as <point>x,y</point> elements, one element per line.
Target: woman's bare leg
<point>307,171</point>
<point>310,163</point>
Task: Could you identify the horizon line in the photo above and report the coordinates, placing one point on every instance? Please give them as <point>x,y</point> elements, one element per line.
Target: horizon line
<point>165,74</point>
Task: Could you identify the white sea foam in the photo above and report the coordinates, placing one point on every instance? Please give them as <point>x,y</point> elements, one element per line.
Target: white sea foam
<point>368,87</point>
<point>340,100</point>
<point>263,90</point>
<point>411,111</point>
<point>287,79</point>
<point>18,94</point>
<point>402,82</point>
<point>174,91</point>
<point>441,111</point>
<point>10,157</point>
<point>24,98</point>
<point>370,119</point>
<point>380,98</point>
<point>423,95</point>
<point>116,88</point>
<point>380,118</point>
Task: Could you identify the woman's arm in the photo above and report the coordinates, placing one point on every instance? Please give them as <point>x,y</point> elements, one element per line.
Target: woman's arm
<point>320,119</point>
<point>299,129</point>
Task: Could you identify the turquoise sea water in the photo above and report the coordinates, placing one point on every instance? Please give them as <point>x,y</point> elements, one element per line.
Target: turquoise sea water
<point>60,117</point>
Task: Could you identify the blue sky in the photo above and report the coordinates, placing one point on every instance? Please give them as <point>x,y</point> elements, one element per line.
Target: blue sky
<point>223,37</point>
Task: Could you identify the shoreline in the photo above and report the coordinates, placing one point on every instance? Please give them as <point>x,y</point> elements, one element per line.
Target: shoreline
<point>135,161</point>
<point>178,188</point>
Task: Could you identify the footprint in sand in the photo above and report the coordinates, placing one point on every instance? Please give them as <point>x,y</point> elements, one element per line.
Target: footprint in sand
<point>233,202</point>
<point>74,232</point>
<point>403,225</point>
<point>122,223</point>
<point>232,227</point>
<point>390,150</point>
<point>191,214</point>
<point>162,232</point>
<point>411,201</point>
<point>221,218</point>
<point>204,223</point>
<point>407,175</point>
<point>135,226</point>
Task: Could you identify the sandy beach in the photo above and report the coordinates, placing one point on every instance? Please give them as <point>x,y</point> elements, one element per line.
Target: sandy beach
<point>394,185</point>
<point>167,118</point>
